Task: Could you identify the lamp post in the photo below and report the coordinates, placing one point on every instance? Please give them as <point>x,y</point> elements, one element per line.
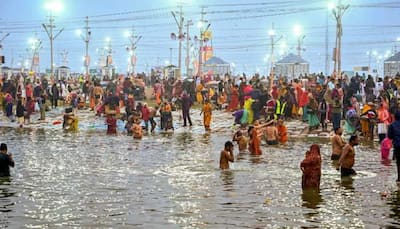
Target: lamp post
<point>338,12</point>
<point>187,62</point>
<point>133,39</point>
<point>35,46</point>
<point>109,60</point>
<point>52,7</point>
<point>179,22</point>
<point>272,34</point>
<point>298,32</point>
<point>202,33</point>
<point>86,39</point>
<point>1,49</point>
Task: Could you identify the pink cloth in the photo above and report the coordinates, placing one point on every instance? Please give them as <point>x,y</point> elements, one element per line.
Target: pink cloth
<point>386,145</point>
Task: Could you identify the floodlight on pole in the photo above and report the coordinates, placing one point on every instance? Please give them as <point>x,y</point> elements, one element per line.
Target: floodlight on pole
<point>52,7</point>
<point>338,12</point>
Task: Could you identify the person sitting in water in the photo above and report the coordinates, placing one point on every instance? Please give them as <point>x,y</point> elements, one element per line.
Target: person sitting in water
<point>111,123</point>
<point>226,156</point>
<point>137,130</point>
<point>70,120</point>
<point>6,161</point>
<point>241,140</point>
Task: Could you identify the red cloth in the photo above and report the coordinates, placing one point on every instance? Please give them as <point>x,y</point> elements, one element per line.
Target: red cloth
<point>145,113</point>
<point>111,123</point>
<point>311,167</point>
<point>234,103</point>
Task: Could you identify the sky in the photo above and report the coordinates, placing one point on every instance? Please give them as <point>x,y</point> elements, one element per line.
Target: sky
<point>240,31</point>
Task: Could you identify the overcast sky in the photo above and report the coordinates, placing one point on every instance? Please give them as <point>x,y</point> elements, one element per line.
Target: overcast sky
<point>240,30</point>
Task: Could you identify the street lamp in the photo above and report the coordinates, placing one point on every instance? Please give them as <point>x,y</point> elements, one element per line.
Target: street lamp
<point>86,39</point>
<point>202,38</point>
<point>52,7</point>
<point>338,12</point>
<point>179,22</point>
<point>131,49</point>
<point>298,32</point>
<point>35,46</point>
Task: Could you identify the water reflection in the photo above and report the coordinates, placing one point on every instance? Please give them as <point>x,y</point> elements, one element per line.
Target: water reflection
<point>227,177</point>
<point>347,183</point>
<point>394,203</point>
<point>311,198</point>
<point>5,194</point>
<point>171,180</point>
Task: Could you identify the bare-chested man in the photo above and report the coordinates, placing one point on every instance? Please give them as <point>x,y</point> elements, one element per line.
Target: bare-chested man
<point>271,133</point>
<point>347,157</point>
<point>226,156</point>
<point>241,140</point>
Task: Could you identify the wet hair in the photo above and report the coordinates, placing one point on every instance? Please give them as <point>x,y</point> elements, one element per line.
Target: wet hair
<point>336,129</point>
<point>353,138</point>
<point>3,146</point>
<point>228,144</point>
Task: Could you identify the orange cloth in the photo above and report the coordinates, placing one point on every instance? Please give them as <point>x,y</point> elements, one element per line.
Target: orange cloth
<point>255,142</point>
<point>282,132</point>
<point>207,113</point>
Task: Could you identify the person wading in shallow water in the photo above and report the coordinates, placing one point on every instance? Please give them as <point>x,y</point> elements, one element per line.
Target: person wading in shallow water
<point>311,168</point>
<point>6,161</point>
<point>347,158</point>
<point>226,156</point>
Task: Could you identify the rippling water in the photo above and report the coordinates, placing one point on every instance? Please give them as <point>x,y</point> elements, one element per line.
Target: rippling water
<point>89,179</point>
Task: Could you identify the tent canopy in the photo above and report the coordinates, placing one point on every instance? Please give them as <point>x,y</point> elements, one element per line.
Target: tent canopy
<point>292,59</point>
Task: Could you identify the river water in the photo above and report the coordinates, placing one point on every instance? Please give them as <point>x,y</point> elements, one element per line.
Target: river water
<point>89,179</point>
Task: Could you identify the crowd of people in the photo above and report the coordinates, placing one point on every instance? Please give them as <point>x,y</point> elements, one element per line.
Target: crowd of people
<point>366,106</point>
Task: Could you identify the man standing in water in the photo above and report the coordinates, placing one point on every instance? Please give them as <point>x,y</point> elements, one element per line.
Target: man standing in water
<point>394,134</point>
<point>186,104</point>
<point>346,160</point>
<point>226,156</point>
<point>6,161</point>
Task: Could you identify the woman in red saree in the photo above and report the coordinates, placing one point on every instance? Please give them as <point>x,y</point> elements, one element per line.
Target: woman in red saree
<point>311,168</point>
<point>234,102</point>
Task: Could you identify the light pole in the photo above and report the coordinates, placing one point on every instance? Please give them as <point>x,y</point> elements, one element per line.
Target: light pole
<point>338,12</point>
<point>179,22</point>
<point>52,7</point>
<point>1,49</point>
<point>202,37</point>
<point>133,39</point>
<point>188,24</point>
<point>300,37</point>
<point>331,6</point>
<point>35,46</point>
<point>272,35</point>
<point>86,39</point>
<point>109,60</point>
